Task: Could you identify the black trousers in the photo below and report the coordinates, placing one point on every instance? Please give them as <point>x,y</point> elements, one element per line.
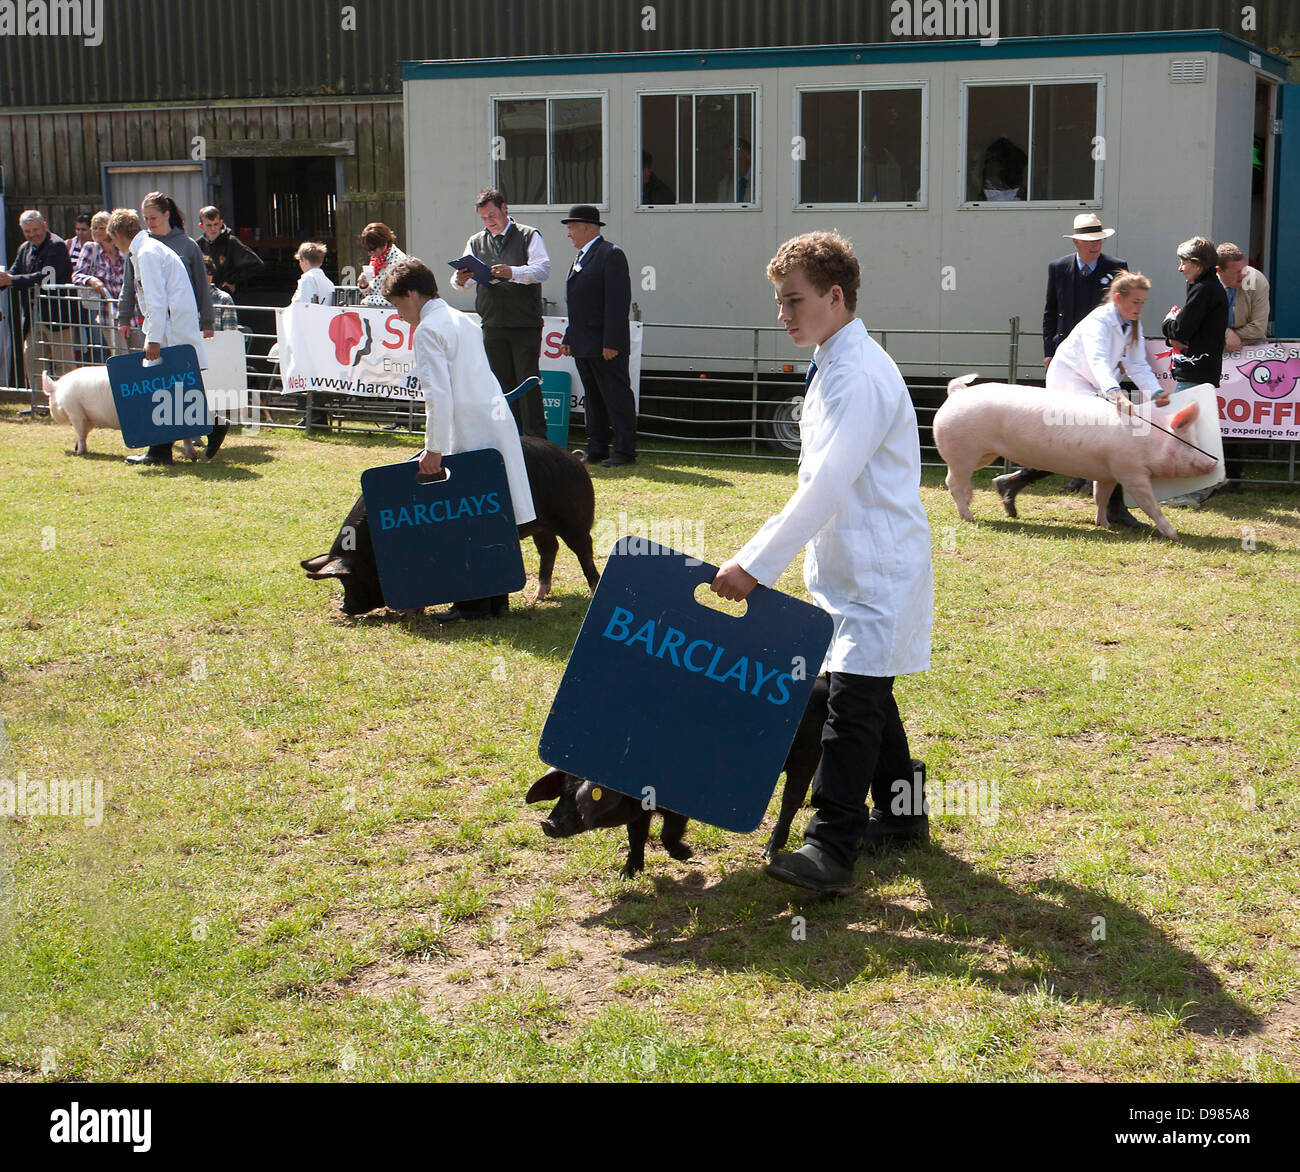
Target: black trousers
<point>514,355</point>
<point>608,388</point>
<point>864,750</point>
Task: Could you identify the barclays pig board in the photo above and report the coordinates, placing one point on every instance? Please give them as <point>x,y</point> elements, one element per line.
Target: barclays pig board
<point>159,402</point>
<point>1204,434</point>
<point>448,540</point>
<point>670,701</point>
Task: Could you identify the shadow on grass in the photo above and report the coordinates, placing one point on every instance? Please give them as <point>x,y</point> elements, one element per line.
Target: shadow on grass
<point>1064,531</point>
<point>658,474</point>
<point>547,630</point>
<point>972,923</point>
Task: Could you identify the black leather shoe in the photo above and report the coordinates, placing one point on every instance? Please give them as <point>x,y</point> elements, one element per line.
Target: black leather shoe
<point>884,831</point>
<point>812,869</point>
<point>215,438</point>
<point>146,460</point>
<point>617,461</point>
<point>1121,518</point>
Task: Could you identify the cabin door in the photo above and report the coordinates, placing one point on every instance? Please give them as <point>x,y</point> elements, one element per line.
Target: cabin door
<point>1284,272</point>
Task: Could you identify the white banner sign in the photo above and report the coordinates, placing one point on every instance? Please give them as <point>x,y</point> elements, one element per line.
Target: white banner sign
<point>1257,394</point>
<point>363,351</point>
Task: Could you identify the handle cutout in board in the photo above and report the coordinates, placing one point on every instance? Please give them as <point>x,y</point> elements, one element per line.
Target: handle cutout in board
<point>706,598</point>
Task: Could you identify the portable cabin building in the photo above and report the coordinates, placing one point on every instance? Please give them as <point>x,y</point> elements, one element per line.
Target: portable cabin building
<point>956,167</point>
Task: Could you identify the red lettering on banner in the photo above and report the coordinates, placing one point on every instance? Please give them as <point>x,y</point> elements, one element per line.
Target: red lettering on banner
<point>1281,411</point>
<point>1238,411</point>
<point>1223,408</point>
<point>1262,409</point>
<point>391,329</point>
<point>551,344</point>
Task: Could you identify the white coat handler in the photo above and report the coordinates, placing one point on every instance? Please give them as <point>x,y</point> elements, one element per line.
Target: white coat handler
<point>464,407</point>
<point>858,509</point>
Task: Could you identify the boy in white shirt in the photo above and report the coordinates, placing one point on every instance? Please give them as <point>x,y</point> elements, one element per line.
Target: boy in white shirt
<point>858,509</point>
<point>314,287</point>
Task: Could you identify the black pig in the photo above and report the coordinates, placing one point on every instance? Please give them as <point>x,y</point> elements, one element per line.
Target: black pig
<point>583,806</point>
<point>562,497</point>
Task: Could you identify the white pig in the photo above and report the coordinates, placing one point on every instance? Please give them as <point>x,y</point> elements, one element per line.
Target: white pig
<point>1074,435</point>
<point>83,398</point>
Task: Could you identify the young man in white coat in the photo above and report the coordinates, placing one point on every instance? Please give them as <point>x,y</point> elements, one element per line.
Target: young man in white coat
<point>463,404</point>
<point>164,295</point>
<point>858,509</point>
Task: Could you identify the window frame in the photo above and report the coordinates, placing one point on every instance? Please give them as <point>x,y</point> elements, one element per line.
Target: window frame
<point>548,96</point>
<point>963,123</point>
<point>756,147</point>
<point>920,204</point>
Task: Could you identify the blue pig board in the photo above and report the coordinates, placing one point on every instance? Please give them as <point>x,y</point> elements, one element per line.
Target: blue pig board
<point>448,540</point>
<point>662,691</point>
<point>154,401</point>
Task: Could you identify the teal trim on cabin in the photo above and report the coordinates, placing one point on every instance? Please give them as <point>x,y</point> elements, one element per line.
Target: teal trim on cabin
<point>806,57</point>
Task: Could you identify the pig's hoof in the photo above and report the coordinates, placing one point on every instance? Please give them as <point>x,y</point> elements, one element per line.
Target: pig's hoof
<point>631,870</point>
<point>679,850</point>
<point>543,591</point>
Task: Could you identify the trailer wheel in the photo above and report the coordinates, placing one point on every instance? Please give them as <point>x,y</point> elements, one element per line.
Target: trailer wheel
<point>781,423</point>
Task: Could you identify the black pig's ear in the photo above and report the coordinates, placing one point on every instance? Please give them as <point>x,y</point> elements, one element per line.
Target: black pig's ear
<point>546,788</point>
<point>334,568</point>
<point>311,565</point>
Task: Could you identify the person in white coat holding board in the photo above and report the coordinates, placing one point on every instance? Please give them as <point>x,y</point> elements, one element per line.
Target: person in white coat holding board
<point>1103,348</point>
<point>165,297</point>
<point>464,407</point>
<point>858,509</point>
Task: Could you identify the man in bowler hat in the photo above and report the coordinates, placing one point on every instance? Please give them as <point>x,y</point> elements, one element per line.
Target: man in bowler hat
<point>1076,284</point>
<point>599,294</point>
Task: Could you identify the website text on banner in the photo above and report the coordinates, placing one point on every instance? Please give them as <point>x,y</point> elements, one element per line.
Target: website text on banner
<point>1258,398</point>
<point>353,350</point>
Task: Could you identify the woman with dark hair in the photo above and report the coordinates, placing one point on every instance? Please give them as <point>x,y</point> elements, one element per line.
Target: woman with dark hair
<point>1197,330</point>
<point>381,246</point>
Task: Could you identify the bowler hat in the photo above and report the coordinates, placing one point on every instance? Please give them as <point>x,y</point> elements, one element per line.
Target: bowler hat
<point>1088,227</point>
<point>584,213</point>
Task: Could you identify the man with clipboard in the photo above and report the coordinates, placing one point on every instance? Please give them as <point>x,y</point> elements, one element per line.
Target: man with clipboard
<point>510,306</point>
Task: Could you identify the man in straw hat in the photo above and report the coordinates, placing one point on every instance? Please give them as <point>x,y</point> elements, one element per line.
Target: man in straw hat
<point>1076,284</point>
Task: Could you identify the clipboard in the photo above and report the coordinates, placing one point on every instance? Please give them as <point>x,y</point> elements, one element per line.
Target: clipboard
<point>482,273</point>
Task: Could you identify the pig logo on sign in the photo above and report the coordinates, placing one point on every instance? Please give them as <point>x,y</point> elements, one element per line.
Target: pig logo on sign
<point>1272,379</point>
<point>351,335</point>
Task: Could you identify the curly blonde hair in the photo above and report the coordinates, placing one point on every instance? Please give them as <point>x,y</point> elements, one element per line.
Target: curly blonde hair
<point>826,259</point>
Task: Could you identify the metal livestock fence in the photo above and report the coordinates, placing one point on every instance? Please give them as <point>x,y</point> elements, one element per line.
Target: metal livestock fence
<point>707,390</point>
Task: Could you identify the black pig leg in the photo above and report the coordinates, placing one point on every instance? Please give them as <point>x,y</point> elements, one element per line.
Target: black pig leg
<point>638,830</point>
<point>547,548</point>
<point>580,543</point>
<point>671,836</point>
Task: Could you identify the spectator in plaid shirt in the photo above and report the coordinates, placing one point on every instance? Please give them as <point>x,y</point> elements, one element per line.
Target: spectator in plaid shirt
<point>223,305</point>
<point>100,267</point>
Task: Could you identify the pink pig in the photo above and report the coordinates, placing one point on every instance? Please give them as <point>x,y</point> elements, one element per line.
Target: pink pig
<point>1074,435</point>
<point>83,398</point>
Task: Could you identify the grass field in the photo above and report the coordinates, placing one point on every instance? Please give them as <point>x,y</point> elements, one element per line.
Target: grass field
<point>314,860</point>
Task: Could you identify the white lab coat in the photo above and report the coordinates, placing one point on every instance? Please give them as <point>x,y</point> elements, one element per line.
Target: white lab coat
<point>858,509</point>
<point>1087,362</point>
<point>464,407</point>
<point>314,288</point>
<point>164,295</point>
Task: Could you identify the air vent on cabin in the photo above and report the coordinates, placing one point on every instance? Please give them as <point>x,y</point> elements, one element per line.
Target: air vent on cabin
<point>1188,71</point>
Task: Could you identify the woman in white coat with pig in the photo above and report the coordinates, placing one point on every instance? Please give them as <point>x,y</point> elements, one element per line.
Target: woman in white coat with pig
<point>164,296</point>
<point>1104,347</point>
<point>464,407</point>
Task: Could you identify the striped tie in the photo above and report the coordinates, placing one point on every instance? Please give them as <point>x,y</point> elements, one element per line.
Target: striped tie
<point>812,370</point>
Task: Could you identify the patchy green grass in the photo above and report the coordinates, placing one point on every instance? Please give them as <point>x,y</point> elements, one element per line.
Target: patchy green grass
<point>314,860</point>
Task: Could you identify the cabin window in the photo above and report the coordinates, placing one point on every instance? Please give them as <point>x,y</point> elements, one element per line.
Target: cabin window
<point>1033,142</point>
<point>699,149</point>
<point>549,151</point>
<point>864,145</point>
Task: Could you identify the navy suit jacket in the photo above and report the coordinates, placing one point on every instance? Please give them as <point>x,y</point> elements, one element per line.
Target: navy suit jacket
<point>1071,298</point>
<point>599,298</point>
